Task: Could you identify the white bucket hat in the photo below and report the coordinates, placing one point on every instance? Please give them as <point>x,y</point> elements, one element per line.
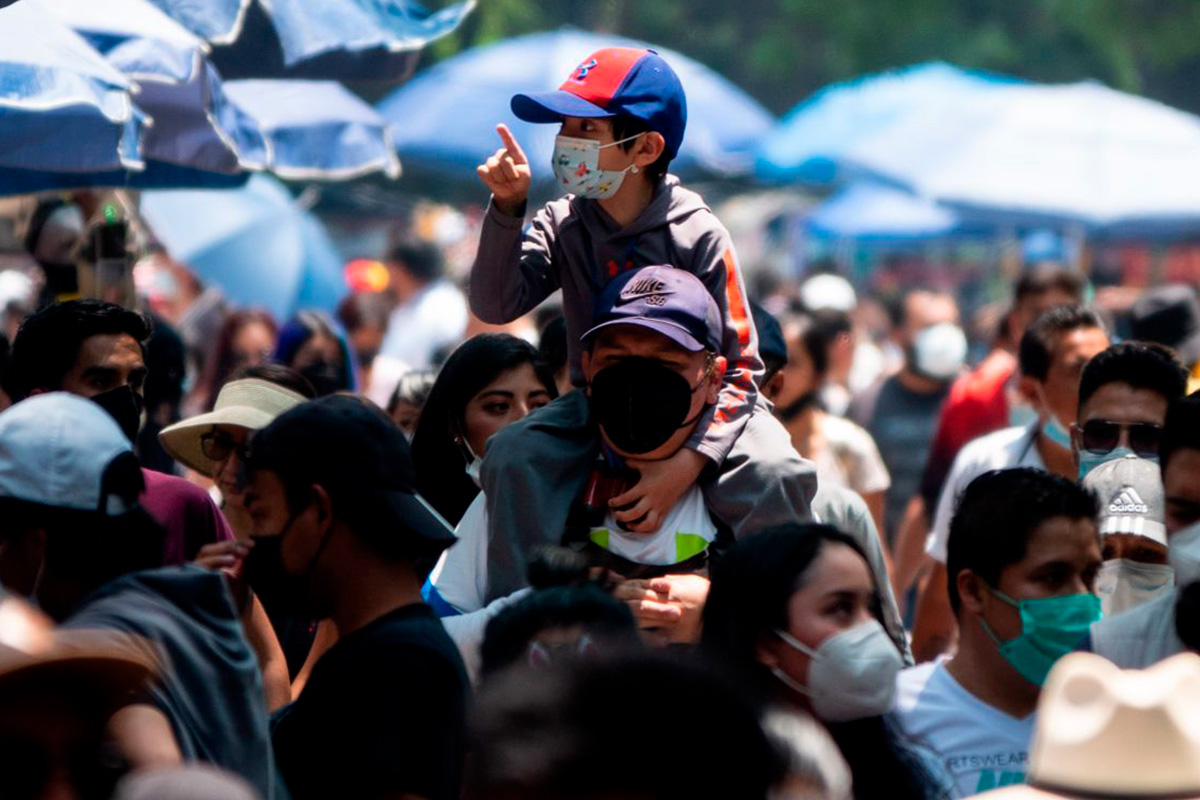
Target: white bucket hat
<point>251,403</point>
<point>1104,732</point>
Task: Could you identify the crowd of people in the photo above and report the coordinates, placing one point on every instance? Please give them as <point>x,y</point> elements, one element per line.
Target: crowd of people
<point>678,542</point>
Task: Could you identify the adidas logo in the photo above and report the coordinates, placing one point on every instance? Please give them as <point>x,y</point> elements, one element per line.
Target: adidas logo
<point>1126,501</point>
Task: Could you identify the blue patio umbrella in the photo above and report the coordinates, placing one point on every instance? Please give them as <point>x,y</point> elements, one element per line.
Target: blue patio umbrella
<point>216,21</point>
<point>340,39</point>
<point>444,119</point>
<point>869,212</point>
<point>198,137</point>
<point>63,107</point>
<point>255,243</point>
<point>809,142</point>
<point>316,130</point>
<point>1076,155</point>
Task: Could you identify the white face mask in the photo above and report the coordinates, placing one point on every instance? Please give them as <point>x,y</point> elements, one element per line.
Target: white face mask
<point>474,462</point>
<point>1183,551</point>
<point>939,351</point>
<point>576,166</point>
<point>852,675</point>
<point>1124,584</point>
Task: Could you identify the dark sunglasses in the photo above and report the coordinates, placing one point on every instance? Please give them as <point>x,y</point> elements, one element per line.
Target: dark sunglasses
<point>217,446</point>
<point>1102,436</point>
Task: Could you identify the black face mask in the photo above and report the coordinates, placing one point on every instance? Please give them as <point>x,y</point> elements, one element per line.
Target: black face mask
<point>640,404</point>
<point>326,378</point>
<point>279,590</point>
<point>125,406</point>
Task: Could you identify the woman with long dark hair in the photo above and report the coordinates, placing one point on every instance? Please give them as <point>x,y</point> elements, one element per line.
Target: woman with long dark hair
<point>245,340</point>
<point>490,381</point>
<point>795,613</point>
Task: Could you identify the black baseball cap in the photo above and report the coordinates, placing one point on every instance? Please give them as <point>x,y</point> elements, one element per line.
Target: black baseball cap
<point>353,450</point>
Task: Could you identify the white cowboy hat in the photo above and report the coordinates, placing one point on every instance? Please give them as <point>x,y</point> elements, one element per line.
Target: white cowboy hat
<point>1104,732</point>
<point>251,403</point>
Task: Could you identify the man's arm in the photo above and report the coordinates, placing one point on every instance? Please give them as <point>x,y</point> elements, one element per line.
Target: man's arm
<point>513,271</point>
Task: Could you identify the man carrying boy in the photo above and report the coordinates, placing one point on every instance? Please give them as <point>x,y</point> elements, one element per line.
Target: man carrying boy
<point>623,114</point>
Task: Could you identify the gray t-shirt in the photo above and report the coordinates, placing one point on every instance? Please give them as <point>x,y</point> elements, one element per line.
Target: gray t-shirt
<point>902,423</point>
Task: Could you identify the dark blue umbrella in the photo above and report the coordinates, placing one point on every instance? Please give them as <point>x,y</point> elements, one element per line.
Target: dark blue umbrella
<point>316,130</point>
<point>63,107</point>
<point>444,119</point>
<point>197,138</point>
<point>809,143</point>
<point>331,39</point>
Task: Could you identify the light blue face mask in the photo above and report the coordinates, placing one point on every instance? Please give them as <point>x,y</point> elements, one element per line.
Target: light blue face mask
<point>1056,432</point>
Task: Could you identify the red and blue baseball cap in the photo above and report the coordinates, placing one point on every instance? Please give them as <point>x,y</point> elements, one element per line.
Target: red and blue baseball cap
<point>633,81</point>
<point>667,300</point>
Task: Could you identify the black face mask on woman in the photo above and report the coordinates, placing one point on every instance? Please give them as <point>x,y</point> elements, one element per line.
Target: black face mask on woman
<point>640,404</point>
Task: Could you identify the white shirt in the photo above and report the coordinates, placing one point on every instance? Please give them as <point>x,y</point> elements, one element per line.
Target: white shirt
<point>1140,637</point>
<point>461,575</point>
<point>434,318</point>
<point>1004,449</point>
<point>982,747</point>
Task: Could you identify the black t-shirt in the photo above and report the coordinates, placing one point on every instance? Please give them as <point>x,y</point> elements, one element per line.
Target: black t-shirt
<point>902,423</point>
<point>383,713</point>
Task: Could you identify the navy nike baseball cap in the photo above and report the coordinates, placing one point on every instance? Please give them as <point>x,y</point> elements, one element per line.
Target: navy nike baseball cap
<point>667,300</point>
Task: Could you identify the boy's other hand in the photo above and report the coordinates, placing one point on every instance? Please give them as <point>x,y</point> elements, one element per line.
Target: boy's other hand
<point>643,507</point>
<point>507,174</point>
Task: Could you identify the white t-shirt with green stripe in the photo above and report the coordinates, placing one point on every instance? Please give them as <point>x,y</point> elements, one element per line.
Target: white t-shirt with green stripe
<point>460,577</point>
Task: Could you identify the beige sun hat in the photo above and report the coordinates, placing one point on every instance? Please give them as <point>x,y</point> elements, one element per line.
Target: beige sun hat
<point>1107,732</point>
<point>249,403</point>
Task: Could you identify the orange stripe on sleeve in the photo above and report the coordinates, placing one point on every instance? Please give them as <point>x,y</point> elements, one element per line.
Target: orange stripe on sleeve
<point>734,299</point>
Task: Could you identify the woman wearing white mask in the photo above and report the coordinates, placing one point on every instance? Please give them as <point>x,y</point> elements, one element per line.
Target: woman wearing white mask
<point>490,381</point>
<point>795,611</point>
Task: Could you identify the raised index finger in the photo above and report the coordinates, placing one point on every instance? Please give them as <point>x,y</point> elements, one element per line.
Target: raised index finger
<point>510,144</point>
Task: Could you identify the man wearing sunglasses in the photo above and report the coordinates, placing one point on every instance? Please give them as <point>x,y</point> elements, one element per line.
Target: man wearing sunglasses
<point>1053,354</point>
<point>1123,397</point>
<point>1149,633</point>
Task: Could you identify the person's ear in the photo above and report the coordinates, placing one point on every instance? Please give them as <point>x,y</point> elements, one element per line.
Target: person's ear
<point>323,505</point>
<point>1027,388</point>
<point>971,591</point>
<point>774,387</point>
<point>767,651</point>
<point>715,376</point>
<point>649,148</point>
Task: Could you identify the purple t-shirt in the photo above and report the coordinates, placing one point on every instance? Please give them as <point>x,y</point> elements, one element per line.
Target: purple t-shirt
<point>188,514</point>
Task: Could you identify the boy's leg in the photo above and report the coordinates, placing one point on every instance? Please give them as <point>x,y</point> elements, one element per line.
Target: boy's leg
<point>764,481</point>
<point>532,473</point>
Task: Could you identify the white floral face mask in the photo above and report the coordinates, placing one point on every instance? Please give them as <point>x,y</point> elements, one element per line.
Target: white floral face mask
<point>576,165</point>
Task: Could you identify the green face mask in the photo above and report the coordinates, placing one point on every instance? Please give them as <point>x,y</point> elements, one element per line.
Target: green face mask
<point>1051,627</point>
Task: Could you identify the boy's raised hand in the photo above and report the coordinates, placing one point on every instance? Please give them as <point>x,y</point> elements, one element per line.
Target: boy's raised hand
<point>507,174</point>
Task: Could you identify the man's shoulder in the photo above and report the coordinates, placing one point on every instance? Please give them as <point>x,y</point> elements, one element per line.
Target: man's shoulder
<point>189,591</point>
<point>172,489</point>
<point>995,450</point>
<point>1148,628</point>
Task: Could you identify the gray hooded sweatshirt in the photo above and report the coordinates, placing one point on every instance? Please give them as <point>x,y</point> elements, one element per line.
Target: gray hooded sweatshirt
<point>574,245</point>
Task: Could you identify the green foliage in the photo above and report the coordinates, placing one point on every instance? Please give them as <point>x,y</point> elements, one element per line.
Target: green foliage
<point>780,51</point>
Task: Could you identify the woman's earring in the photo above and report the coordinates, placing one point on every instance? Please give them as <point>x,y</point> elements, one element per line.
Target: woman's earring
<point>635,169</point>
